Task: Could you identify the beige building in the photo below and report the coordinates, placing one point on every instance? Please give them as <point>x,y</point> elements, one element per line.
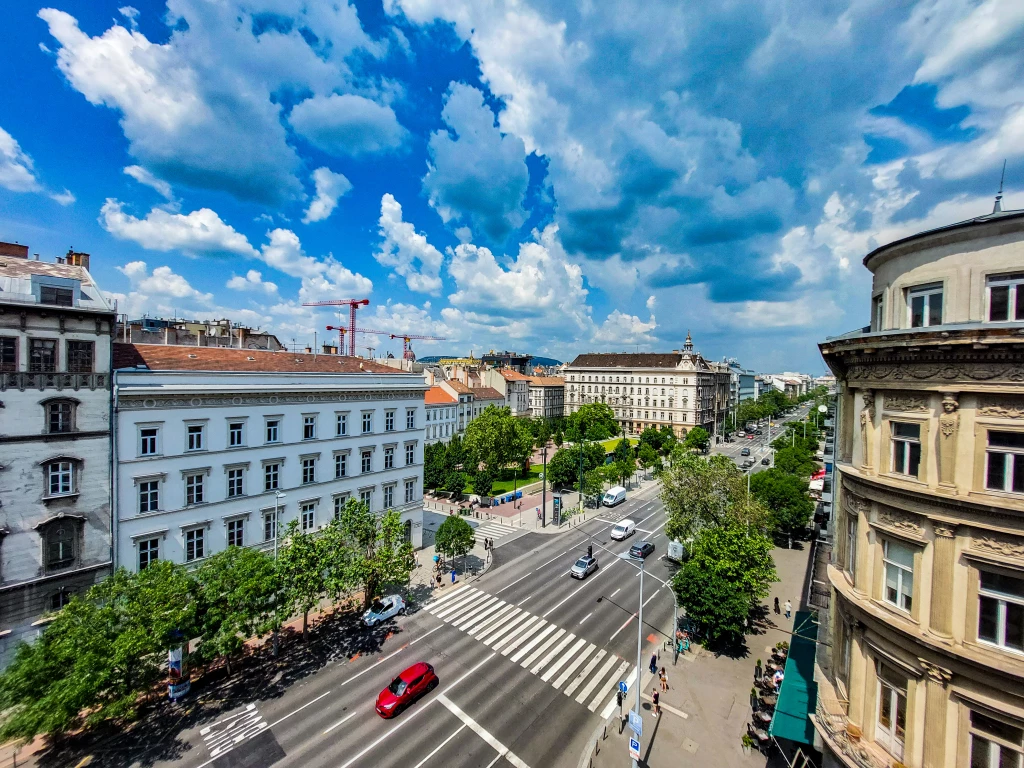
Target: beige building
<point>547,396</point>
<point>515,386</point>
<point>924,660</point>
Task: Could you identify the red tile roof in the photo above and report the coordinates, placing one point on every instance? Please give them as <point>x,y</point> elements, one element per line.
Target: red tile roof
<point>510,375</point>
<point>487,393</point>
<point>437,396</point>
<point>547,381</point>
<point>167,357</point>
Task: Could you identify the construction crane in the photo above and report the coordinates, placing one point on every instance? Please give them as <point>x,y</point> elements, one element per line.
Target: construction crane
<point>352,304</point>
<point>407,353</point>
<point>342,331</point>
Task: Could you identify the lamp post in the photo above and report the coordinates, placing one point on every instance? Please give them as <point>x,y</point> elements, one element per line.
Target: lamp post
<point>277,502</point>
<point>544,488</point>
<point>639,648</point>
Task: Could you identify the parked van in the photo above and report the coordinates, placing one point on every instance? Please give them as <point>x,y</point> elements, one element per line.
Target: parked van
<point>623,530</point>
<point>613,496</point>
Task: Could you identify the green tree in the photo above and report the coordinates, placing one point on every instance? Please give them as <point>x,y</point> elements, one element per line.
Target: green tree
<point>786,497</point>
<point>482,482</point>
<point>653,437</point>
<point>795,461</point>
<point>559,438</point>
<point>624,470</point>
<point>668,440</point>
<point>729,570</point>
<point>455,538</point>
<point>563,468</point>
<point>381,557</point>
<point>496,439</point>
<point>455,484</point>
<point>697,438</point>
<point>593,482</point>
<point>648,456</point>
<point>239,587</point>
<point>302,569</point>
<point>593,421</point>
<point>434,465</point>
<point>623,450</point>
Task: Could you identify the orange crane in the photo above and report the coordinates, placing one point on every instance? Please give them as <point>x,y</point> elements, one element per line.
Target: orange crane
<point>352,304</point>
<point>407,353</point>
<point>342,331</point>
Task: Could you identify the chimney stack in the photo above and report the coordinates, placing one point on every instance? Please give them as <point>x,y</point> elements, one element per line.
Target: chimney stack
<point>77,259</point>
<point>14,250</point>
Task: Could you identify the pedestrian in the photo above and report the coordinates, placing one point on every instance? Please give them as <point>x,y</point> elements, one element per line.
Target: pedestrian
<point>664,680</point>
<point>438,579</point>
<point>757,670</point>
<point>777,605</point>
<point>656,699</point>
<point>789,609</point>
<point>453,575</point>
<point>654,663</point>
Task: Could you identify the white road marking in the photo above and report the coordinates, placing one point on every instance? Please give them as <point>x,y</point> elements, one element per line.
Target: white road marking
<point>478,616</point>
<point>574,665</point>
<point>649,599</point>
<point>601,674</point>
<point>586,617</point>
<point>437,749</point>
<point>487,629</point>
<point>630,682</point>
<point>621,628</point>
<point>468,617</point>
<point>571,653</point>
<point>596,702</point>
<point>445,598</point>
<point>580,587</point>
<point>486,622</point>
<point>308,703</point>
<point>506,628</point>
<point>543,647</point>
<point>613,594</point>
<point>532,644</point>
<point>517,632</point>
<point>342,721</point>
<point>569,637</point>
<point>482,732</point>
<point>585,673</point>
<point>513,583</point>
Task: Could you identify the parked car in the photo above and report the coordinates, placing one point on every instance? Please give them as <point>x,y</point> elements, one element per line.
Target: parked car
<point>583,567</point>
<point>745,452</point>
<point>766,461</point>
<point>383,609</point>
<point>614,495</point>
<point>623,530</point>
<point>741,433</point>
<point>405,689</point>
<point>641,549</point>
<point>750,437</point>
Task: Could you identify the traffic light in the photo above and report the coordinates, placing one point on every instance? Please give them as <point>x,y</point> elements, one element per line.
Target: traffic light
<point>590,551</point>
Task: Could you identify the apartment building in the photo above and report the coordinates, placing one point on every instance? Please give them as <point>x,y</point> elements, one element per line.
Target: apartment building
<point>441,418</point>
<point>547,396</point>
<point>514,385</point>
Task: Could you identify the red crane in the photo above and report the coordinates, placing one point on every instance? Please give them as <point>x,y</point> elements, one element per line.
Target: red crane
<point>407,353</point>
<point>342,331</point>
<point>351,304</point>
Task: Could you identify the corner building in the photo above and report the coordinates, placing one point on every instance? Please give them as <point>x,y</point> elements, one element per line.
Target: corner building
<point>925,666</point>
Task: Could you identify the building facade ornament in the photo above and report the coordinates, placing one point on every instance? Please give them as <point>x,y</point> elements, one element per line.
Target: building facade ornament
<point>898,520</point>
<point>905,403</point>
<point>1007,409</point>
<point>935,673</point>
<point>945,531</point>
<point>855,504</point>
<point>999,546</point>
<point>949,426</point>
<point>957,371</point>
<point>149,402</point>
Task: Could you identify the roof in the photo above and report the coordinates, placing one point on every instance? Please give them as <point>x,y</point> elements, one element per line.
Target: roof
<point>168,357</point>
<point>16,282</point>
<point>977,221</point>
<point>627,360</point>
<point>510,375</point>
<point>437,396</point>
<point>459,387</point>
<point>487,393</point>
<point>547,381</point>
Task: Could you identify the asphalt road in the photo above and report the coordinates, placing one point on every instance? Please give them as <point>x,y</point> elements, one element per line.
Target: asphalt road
<point>760,446</point>
<point>528,660</point>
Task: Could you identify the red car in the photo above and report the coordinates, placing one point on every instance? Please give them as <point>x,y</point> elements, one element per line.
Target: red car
<point>405,689</point>
<point>750,437</point>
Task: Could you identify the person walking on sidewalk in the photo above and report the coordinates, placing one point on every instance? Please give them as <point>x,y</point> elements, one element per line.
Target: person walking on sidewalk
<point>777,606</point>
<point>789,609</point>
<point>664,680</point>
<point>655,698</point>
<point>654,664</point>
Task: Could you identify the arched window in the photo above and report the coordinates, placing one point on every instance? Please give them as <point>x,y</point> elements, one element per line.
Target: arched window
<point>60,415</point>
<point>59,537</point>
<point>60,476</point>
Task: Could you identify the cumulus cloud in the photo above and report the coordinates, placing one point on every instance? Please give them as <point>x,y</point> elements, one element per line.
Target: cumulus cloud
<point>67,197</point>
<point>620,330</point>
<point>16,170</point>
<point>146,178</point>
<point>200,232</point>
<point>251,281</point>
<point>162,282</point>
<point>407,251</point>
<point>330,187</point>
<point>347,125</point>
<point>477,175</point>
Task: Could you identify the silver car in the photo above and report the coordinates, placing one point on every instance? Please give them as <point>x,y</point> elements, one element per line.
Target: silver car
<point>383,609</point>
<point>583,567</point>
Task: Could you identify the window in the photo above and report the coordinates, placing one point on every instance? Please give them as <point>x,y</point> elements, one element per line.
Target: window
<point>269,526</point>
<point>194,437</point>
<point>1005,301</point>
<point>149,552</point>
<point>309,427</point>
<point>366,459</point>
<point>410,491</point>
<point>194,541</point>
<point>60,478</point>
<point>308,471</point>
<point>339,505</point>
<point>80,356</point>
<point>367,422</point>
<point>42,356</point>
<point>1001,611</point>
<point>389,458</point>
<point>366,497</point>
<point>148,441</point>
<point>60,544</point>
<point>1004,462</point>
<point>56,297</point>
<point>410,418</point>
<point>8,354</point>
<point>59,599</point>
<point>995,744</point>
<point>876,312</point>
<point>389,496</point>
<point>899,574</point>
<point>308,515</point>
<point>389,421</point>
<point>341,424</point>
<point>236,482</point>
<point>273,430</point>
<point>271,477</point>
<point>149,496</point>
<point>59,416</point>
<point>236,532</point>
<point>906,448</point>
<point>236,434</point>
<point>851,545</point>
<point>924,306</point>
<point>193,489</point>
<point>410,454</point>
<point>891,730</point>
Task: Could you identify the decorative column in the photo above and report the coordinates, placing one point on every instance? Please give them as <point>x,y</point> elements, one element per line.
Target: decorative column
<point>949,429</point>
<point>944,543</point>
<point>858,673</point>
<point>867,428</point>
<point>935,708</point>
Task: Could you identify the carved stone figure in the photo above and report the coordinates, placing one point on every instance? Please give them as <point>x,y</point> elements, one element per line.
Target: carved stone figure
<point>867,420</point>
<point>1006,409</point>
<point>898,520</point>
<point>949,427</point>
<point>905,403</point>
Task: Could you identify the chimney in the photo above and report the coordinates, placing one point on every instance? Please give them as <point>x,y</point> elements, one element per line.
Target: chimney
<point>14,249</point>
<point>77,259</point>
<point>309,350</point>
<point>330,349</point>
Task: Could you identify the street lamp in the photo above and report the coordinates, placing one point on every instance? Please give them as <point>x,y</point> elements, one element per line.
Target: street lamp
<point>277,502</point>
<point>639,648</point>
<point>544,488</point>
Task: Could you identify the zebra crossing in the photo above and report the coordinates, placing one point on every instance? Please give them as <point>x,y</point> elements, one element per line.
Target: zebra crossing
<point>583,672</point>
<point>493,530</point>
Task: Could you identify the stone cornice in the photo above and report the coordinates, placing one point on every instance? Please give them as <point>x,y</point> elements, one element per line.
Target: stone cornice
<point>154,401</point>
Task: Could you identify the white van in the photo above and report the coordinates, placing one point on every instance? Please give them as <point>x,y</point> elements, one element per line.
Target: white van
<point>614,495</point>
<point>623,530</point>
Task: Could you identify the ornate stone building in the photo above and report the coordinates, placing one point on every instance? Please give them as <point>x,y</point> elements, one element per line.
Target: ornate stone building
<point>924,664</point>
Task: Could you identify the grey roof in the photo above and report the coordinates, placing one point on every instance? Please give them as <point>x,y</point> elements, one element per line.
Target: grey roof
<point>16,282</point>
<point>627,360</point>
<point>978,220</point>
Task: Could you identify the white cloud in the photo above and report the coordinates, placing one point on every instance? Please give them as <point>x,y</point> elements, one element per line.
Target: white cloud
<point>67,197</point>
<point>251,281</point>
<point>162,282</point>
<point>329,187</point>
<point>347,125</point>
<point>620,330</point>
<point>143,176</point>
<point>199,232</point>
<point>16,171</point>
<point>407,251</point>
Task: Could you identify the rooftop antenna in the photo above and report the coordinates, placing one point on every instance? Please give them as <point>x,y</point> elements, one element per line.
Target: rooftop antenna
<point>998,207</point>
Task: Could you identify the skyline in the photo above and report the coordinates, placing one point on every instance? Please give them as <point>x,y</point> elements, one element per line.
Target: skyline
<point>528,176</point>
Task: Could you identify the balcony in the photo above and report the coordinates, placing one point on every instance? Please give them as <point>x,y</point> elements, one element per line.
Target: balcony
<point>58,381</point>
<point>844,738</point>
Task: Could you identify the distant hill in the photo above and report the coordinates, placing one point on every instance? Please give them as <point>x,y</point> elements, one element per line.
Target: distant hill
<point>545,361</point>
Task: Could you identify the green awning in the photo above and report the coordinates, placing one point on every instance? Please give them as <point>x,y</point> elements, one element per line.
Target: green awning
<point>799,692</point>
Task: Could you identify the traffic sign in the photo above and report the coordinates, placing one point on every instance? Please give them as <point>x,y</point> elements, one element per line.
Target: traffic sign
<point>634,749</point>
<point>636,723</point>
<point>623,687</point>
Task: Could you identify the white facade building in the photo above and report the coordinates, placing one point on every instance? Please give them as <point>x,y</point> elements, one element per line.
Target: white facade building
<point>219,447</point>
<point>441,416</point>
<point>55,523</point>
<point>514,385</point>
<point>547,396</point>
<point>463,402</point>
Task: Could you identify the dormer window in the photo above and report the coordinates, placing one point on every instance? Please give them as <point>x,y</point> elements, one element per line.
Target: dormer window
<point>56,297</point>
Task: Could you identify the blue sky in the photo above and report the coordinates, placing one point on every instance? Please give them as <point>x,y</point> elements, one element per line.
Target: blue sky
<point>542,176</point>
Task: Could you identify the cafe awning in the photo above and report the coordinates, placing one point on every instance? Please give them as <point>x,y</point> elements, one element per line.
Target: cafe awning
<point>798,693</point>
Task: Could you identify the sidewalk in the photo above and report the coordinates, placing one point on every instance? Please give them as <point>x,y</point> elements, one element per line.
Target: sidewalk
<point>707,706</point>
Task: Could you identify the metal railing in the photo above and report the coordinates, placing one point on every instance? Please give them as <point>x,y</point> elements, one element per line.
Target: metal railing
<point>23,380</point>
<point>831,716</point>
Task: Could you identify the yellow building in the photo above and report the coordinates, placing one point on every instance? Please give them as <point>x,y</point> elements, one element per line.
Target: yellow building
<point>923,660</point>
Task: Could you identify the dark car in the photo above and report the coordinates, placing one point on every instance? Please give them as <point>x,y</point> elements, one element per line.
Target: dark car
<point>747,464</point>
<point>641,549</point>
<point>766,461</point>
<point>758,432</point>
<point>405,689</point>
<point>745,452</point>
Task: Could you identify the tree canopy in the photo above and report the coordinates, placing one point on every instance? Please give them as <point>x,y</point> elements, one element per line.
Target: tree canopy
<point>496,439</point>
<point>455,537</point>
<point>701,492</point>
<point>593,421</point>
<point>697,439</point>
<point>564,466</point>
<point>786,497</point>
<point>381,557</point>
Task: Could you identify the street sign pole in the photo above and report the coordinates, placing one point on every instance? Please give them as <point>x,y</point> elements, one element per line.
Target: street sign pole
<point>639,661</point>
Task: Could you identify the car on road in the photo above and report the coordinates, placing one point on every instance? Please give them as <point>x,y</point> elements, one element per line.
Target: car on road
<point>747,464</point>
<point>405,689</point>
<point>623,530</point>
<point>758,432</point>
<point>741,433</point>
<point>583,567</point>
<point>641,549</point>
<point>750,437</point>
<point>383,609</point>
<point>745,452</point>
<point>766,461</point>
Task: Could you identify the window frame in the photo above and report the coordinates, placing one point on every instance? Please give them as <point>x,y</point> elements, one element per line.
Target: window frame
<point>925,292</point>
<point>309,426</point>
<point>901,571</point>
<point>61,295</point>
<point>234,532</point>
<point>1013,463</point>
<point>272,423</point>
<point>410,418</point>
<point>235,476</point>
<point>194,541</point>
<point>272,468</point>
<point>147,552</point>
<point>195,487</point>
<point>35,363</point>
<point>389,495</point>
<point>9,361</point>
<point>367,423</point>
<point>1012,282</point>
<point>977,732</point>
<point>410,491</point>
<point>69,471</point>
<point>308,470</point>
<point>389,457</point>
<point>389,421</point>
<point>73,351</point>
<point>905,444</point>
<point>236,427</point>
<point>341,424</point>
<point>54,535</point>
<point>141,440</point>
<point>60,402</point>
<point>307,516</point>
<point>1003,602</point>
<point>365,461</point>
<point>151,495</point>
<point>199,442</point>
<point>410,454</point>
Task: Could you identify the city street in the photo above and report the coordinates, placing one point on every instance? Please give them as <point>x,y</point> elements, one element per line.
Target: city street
<point>760,446</point>
<point>528,661</point>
